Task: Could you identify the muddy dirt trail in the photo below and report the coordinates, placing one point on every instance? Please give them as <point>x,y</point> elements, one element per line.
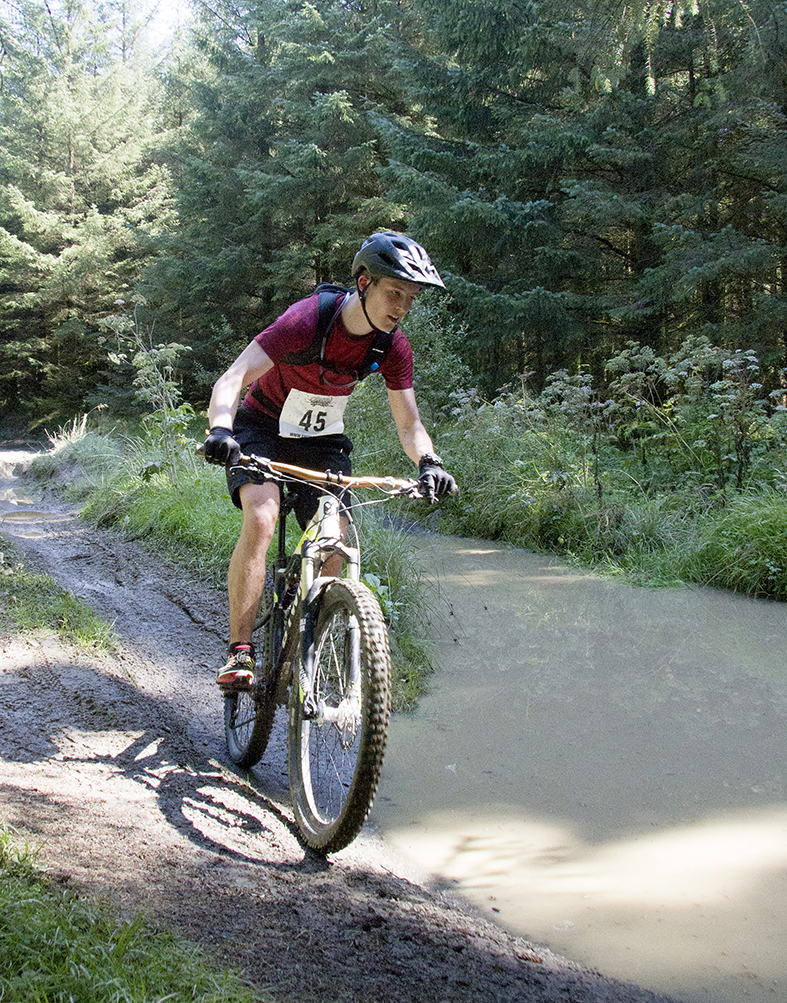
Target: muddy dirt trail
<point>115,767</point>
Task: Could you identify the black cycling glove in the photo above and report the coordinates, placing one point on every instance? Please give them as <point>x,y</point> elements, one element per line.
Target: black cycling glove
<point>434,481</point>
<point>221,447</point>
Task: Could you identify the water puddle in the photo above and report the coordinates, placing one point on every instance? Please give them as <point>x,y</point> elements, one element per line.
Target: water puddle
<point>19,506</point>
<point>29,515</point>
<point>602,769</point>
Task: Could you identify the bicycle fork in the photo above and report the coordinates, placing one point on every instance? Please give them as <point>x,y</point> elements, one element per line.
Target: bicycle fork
<point>346,715</point>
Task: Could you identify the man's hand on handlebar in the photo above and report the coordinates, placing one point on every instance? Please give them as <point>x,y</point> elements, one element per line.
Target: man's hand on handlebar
<point>221,448</point>
<point>433,481</point>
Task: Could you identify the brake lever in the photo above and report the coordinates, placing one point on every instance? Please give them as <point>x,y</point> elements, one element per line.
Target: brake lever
<point>260,465</point>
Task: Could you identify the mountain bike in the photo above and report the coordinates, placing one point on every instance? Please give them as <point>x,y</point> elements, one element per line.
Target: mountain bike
<point>322,649</point>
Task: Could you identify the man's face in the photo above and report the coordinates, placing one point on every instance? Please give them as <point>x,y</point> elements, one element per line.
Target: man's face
<point>389,300</point>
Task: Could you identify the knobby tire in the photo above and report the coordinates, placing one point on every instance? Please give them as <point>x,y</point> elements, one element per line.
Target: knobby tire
<point>248,714</point>
<point>334,768</point>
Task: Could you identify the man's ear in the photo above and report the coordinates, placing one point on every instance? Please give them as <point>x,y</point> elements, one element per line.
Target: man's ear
<point>364,281</point>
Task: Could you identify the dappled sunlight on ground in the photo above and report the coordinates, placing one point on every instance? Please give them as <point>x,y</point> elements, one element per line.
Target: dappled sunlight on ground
<point>712,861</point>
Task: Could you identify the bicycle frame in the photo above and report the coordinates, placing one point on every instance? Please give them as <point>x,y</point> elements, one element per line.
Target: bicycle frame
<point>321,539</point>
<point>333,629</point>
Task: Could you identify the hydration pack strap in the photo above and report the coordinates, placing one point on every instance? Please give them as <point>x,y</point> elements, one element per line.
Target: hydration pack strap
<point>330,300</point>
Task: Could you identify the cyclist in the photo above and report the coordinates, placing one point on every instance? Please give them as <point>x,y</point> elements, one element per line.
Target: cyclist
<point>293,412</point>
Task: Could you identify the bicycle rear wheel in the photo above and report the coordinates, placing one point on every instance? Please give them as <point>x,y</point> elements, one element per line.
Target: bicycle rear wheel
<point>335,758</point>
<point>248,714</point>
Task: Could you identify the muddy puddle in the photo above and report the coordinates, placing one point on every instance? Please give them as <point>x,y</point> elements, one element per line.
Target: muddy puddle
<point>19,504</point>
<point>602,768</point>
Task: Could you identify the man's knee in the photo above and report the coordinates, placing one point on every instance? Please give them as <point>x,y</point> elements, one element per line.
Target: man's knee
<point>260,506</point>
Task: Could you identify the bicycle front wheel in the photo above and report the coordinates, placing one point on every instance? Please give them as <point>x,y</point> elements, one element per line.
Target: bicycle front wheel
<point>248,714</point>
<point>335,756</point>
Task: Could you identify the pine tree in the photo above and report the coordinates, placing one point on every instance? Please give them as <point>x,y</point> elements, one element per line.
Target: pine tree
<point>597,173</point>
<point>80,200</point>
<point>280,181</point>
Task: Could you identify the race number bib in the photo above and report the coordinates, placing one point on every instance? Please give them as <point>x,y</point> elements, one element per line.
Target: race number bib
<point>311,414</point>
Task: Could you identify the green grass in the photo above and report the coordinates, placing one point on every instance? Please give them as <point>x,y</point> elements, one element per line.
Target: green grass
<point>194,522</point>
<point>37,603</point>
<point>55,947</point>
<point>527,479</point>
<point>88,456</point>
<point>742,547</point>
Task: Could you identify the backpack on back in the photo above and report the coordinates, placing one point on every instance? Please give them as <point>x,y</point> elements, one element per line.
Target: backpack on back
<point>330,299</point>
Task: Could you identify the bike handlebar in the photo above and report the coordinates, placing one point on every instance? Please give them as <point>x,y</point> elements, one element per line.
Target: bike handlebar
<point>327,477</point>
<point>262,465</point>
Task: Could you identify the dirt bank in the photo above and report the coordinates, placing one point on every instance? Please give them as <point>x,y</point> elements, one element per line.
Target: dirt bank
<point>116,768</point>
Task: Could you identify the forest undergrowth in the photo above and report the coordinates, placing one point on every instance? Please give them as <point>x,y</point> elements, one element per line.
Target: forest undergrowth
<point>669,471</point>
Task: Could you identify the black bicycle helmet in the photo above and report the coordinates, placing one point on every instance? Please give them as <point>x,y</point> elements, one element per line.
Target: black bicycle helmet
<point>397,257</point>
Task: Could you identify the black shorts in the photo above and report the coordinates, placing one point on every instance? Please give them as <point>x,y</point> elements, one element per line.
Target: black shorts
<point>258,433</point>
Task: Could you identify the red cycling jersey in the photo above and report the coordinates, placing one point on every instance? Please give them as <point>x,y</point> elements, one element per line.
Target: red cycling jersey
<point>294,331</point>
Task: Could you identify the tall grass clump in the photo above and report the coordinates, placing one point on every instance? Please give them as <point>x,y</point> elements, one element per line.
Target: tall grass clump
<point>742,547</point>
<point>193,523</point>
<point>87,455</point>
<point>56,947</point>
<point>520,475</point>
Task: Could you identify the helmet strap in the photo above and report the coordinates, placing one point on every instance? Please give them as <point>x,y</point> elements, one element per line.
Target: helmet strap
<point>362,298</point>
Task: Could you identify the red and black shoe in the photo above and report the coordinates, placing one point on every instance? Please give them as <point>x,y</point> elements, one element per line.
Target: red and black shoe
<point>238,672</point>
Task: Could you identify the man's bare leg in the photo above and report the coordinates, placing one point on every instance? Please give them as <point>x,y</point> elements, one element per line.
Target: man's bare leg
<point>246,578</point>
